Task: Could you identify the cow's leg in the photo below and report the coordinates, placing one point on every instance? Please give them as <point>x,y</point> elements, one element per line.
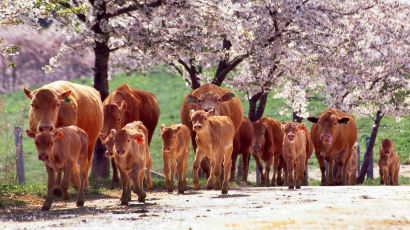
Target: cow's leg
<point>381,175</point>
<point>396,176</point>
<point>180,169</point>
<point>268,164</point>
<point>90,150</point>
<point>233,166</point>
<point>149,166</point>
<point>115,181</point>
<point>57,191</point>
<point>124,181</point>
<point>173,169</point>
<point>166,172</point>
<point>50,185</point>
<point>279,179</point>
<point>290,174</point>
<point>195,167</point>
<point>322,166</point>
<point>210,181</point>
<point>75,177</point>
<point>300,164</point>
<point>227,167</point>
<point>275,170</point>
<point>340,172</point>
<point>245,165</point>
<point>68,169</point>
<point>184,170</point>
<point>260,167</point>
<point>217,173</point>
<point>330,175</point>
<point>391,176</point>
<point>137,175</point>
<point>83,174</point>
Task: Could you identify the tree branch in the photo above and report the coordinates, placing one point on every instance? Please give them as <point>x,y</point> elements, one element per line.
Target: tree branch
<point>134,7</point>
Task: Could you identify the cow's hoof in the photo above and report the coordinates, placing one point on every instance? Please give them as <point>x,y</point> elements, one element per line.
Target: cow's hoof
<point>114,185</point>
<point>124,202</point>
<point>141,199</point>
<point>45,208</point>
<point>170,190</point>
<point>80,203</point>
<point>297,186</point>
<point>181,190</point>
<point>291,187</point>
<point>244,184</point>
<point>196,186</point>
<point>224,191</point>
<point>57,191</point>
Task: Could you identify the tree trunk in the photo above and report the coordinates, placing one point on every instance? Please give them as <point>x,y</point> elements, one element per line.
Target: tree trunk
<point>257,106</point>
<point>366,158</point>
<point>100,164</point>
<point>296,118</point>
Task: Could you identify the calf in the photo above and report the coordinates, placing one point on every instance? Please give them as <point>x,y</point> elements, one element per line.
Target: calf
<point>214,139</point>
<point>294,153</point>
<point>60,149</point>
<point>242,145</point>
<point>131,155</point>
<point>351,167</point>
<point>176,148</point>
<point>389,164</point>
<point>267,145</point>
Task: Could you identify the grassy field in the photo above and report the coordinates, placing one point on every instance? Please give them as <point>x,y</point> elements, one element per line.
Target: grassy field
<point>170,91</point>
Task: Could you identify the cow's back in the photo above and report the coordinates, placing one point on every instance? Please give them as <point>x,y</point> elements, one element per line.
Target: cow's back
<point>231,108</point>
<point>277,135</point>
<point>222,130</point>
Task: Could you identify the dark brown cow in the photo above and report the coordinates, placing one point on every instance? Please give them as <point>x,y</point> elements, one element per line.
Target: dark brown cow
<point>207,97</point>
<point>294,153</point>
<point>125,105</point>
<point>176,148</point>
<point>309,151</point>
<point>62,103</point>
<point>214,140</point>
<point>60,149</point>
<point>242,143</point>
<point>389,163</point>
<point>131,156</point>
<point>267,145</point>
<point>352,166</point>
<point>333,134</point>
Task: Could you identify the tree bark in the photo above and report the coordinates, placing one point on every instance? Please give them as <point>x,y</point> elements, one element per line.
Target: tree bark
<point>296,118</point>
<point>257,106</point>
<point>369,150</point>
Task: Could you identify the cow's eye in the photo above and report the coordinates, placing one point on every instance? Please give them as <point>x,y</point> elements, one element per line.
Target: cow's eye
<point>199,101</point>
<point>205,119</point>
<point>129,140</point>
<point>119,119</point>
<point>58,104</point>
<point>50,143</point>
<point>219,99</point>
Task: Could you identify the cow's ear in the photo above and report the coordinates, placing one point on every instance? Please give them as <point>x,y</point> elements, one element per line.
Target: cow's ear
<point>162,127</point>
<point>192,99</point>
<point>227,96</point>
<point>313,119</point>
<point>211,112</point>
<point>64,96</point>
<point>301,126</point>
<point>30,133</point>
<point>139,138</point>
<point>103,137</point>
<point>123,105</point>
<point>191,112</point>
<point>178,127</point>
<point>344,120</point>
<point>27,92</point>
<point>282,125</point>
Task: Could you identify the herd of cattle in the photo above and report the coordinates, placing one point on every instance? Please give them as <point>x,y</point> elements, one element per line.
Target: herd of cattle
<point>66,119</point>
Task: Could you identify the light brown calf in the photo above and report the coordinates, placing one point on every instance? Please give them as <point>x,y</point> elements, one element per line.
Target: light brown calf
<point>214,139</point>
<point>176,147</point>
<point>60,149</point>
<point>351,167</point>
<point>267,145</point>
<point>389,164</point>
<point>294,153</point>
<point>131,154</point>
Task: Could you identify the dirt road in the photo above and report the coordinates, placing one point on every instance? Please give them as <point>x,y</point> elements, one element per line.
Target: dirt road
<point>370,207</point>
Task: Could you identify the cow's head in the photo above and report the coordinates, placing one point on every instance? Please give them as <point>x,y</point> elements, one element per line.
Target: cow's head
<point>169,136</point>
<point>44,142</point>
<point>386,147</point>
<point>328,124</point>
<point>290,130</point>
<point>113,117</point>
<point>123,140</point>
<point>210,101</point>
<point>108,141</point>
<point>45,105</point>
<point>200,121</point>
<point>259,130</point>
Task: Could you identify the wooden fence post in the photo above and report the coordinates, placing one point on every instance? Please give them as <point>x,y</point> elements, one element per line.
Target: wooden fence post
<point>358,159</point>
<point>19,155</point>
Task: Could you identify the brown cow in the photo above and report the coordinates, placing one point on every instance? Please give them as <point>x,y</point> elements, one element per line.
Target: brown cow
<point>309,151</point>
<point>207,97</point>
<point>131,155</point>
<point>242,145</point>
<point>125,105</point>
<point>389,163</point>
<point>333,134</point>
<point>60,149</point>
<point>62,103</point>
<point>352,166</point>
<point>214,140</point>
<point>267,145</point>
<point>176,148</point>
<point>294,153</point>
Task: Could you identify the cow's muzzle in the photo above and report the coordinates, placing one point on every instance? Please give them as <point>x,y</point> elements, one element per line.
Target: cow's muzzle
<point>326,139</point>
<point>43,157</point>
<point>256,147</point>
<point>166,149</point>
<point>197,127</point>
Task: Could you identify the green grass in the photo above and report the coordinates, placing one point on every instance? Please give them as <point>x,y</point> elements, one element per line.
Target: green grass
<point>170,91</point>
